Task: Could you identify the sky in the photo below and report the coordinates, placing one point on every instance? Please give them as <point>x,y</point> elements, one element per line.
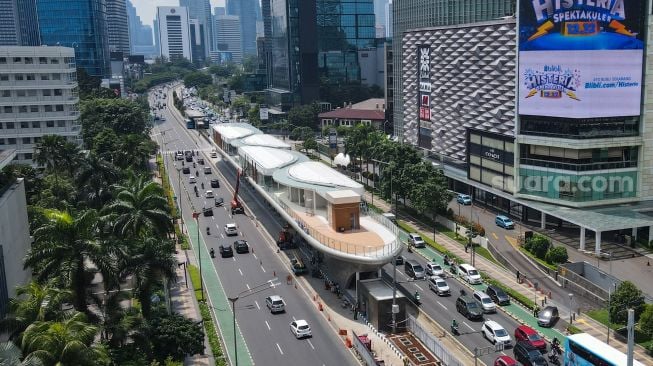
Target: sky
<point>146,9</point>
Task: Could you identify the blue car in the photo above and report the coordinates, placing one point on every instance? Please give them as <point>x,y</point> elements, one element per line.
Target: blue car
<point>464,199</point>
<point>504,222</point>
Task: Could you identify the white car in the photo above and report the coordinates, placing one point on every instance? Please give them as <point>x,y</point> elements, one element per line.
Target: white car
<point>439,285</point>
<point>416,240</point>
<point>434,269</point>
<point>209,194</point>
<point>495,333</point>
<point>214,154</point>
<point>300,329</point>
<point>231,229</point>
<point>485,301</point>
<point>192,179</point>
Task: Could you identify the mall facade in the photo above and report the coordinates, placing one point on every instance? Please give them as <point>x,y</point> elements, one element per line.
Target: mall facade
<point>544,116</point>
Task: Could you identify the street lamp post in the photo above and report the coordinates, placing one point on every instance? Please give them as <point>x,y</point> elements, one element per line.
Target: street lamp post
<point>196,216</point>
<point>571,311</point>
<point>243,294</point>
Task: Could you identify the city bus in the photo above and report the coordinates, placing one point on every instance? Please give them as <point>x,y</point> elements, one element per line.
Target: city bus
<point>585,350</point>
<point>190,123</point>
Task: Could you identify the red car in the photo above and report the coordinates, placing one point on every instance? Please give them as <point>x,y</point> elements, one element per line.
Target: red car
<point>529,335</point>
<point>505,361</point>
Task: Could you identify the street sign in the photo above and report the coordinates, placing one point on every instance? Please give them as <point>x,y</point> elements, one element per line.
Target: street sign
<point>333,138</point>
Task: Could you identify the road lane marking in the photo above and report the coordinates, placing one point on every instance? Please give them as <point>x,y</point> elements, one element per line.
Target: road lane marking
<point>495,236</point>
<point>263,269</point>
<point>258,307</point>
<point>512,241</point>
<point>293,318</point>
<point>439,303</point>
<point>469,326</point>
<point>421,289</point>
<point>234,258</point>
<point>266,323</point>
<point>279,347</point>
<point>310,343</point>
<point>241,272</point>
<point>254,254</point>
<point>248,288</point>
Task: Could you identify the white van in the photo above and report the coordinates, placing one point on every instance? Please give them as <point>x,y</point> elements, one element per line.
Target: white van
<point>469,274</point>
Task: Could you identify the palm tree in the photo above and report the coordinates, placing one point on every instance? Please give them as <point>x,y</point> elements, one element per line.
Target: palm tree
<point>34,301</point>
<point>10,355</point>
<point>140,206</point>
<point>70,157</point>
<point>94,180</point>
<point>151,260</point>
<point>63,247</point>
<point>119,323</point>
<point>49,151</point>
<point>66,342</point>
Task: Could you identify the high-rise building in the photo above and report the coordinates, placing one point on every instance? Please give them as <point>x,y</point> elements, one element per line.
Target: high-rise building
<point>380,9</point>
<point>201,10</point>
<point>38,96</point>
<point>15,240</point>
<point>248,11</point>
<point>118,26</point>
<point>197,45</point>
<point>547,127</point>
<point>19,23</point>
<point>140,35</point>
<point>412,14</point>
<point>388,19</point>
<point>173,32</point>
<point>80,24</point>
<point>229,41</point>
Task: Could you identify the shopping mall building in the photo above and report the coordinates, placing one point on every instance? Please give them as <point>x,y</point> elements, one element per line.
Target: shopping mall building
<point>545,116</point>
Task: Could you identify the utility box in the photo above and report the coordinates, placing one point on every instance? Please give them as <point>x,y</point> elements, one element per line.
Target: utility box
<point>375,302</point>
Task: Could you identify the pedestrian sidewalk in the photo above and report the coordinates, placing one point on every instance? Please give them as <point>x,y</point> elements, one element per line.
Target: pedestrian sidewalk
<point>582,322</point>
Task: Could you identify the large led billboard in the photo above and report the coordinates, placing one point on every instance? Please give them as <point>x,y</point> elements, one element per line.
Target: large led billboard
<point>581,58</point>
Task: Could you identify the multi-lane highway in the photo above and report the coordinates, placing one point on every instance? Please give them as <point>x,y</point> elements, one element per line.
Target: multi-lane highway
<point>267,337</point>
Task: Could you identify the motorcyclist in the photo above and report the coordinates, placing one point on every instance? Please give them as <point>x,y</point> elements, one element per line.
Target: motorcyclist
<point>197,173</point>
<point>454,326</point>
<point>446,259</point>
<point>193,164</point>
<point>202,185</point>
<point>212,253</point>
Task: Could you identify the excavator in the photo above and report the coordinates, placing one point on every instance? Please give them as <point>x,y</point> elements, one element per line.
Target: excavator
<point>236,206</point>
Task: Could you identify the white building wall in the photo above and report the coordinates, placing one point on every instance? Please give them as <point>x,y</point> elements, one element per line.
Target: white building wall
<point>173,32</point>
<point>14,235</point>
<point>38,96</point>
<point>646,154</point>
<point>229,38</point>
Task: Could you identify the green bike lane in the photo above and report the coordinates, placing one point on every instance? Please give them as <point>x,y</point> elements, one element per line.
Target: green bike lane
<point>221,308</point>
<point>514,310</point>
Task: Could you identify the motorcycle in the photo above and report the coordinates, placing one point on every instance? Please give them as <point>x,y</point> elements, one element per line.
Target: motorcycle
<point>202,185</point>
<point>446,260</point>
<point>212,253</point>
<point>555,353</point>
<point>197,194</point>
<point>193,164</point>
<point>417,298</point>
<point>454,329</point>
<point>208,231</point>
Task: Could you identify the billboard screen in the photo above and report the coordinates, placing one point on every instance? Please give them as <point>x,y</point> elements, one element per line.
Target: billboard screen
<point>581,59</point>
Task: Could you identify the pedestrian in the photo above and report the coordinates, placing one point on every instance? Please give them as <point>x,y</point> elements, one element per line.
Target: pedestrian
<point>466,247</point>
<point>518,277</point>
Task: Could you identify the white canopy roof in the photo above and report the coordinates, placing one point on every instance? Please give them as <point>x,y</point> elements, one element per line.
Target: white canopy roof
<point>233,131</point>
<point>313,172</point>
<point>267,159</point>
<point>265,140</point>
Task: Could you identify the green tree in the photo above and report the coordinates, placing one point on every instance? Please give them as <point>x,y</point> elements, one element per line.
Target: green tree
<point>430,195</point>
<point>94,180</point>
<point>105,145</point>
<point>254,115</point>
<point>31,176</point>
<point>175,336</point>
<point>49,152</point>
<point>86,83</point>
<point>241,104</point>
<point>135,151</point>
<point>121,324</point>
<point>197,79</point>
<point>121,115</point>
<point>309,144</point>
<point>140,207</point>
<point>302,133</point>
<point>626,296</point>
<point>224,70</point>
<point>34,301</point>
<point>10,355</point>
<point>63,249</point>
<point>57,192</point>
<point>304,116</point>
<point>65,342</point>
<point>538,245</point>
<point>557,255</point>
<point>236,82</point>
<point>151,259</point>
<point>646,320</point>
<point>249,63</point>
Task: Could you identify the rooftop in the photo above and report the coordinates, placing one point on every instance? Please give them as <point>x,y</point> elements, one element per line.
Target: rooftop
<point>317,176</point>
<point>350,113</point>
<point>269,159</point>
<point>233,131</point>
<point>371,104</point>
<point>262,140</point>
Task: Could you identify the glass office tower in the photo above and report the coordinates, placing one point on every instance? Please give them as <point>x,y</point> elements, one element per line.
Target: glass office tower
<point>80,24</point>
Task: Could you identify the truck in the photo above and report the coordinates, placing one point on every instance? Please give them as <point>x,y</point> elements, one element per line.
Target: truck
<point>286,238</point>
<point>236,206</point>
<point>298,267</point>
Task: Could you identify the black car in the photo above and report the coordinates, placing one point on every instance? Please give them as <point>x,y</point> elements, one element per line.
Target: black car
<point>207,211</point>
<point>186,170</point>
<point>399,260</point>
<point>469,308</point>
<point>189,158</point>
<point>528,355</point>
<point>241,246</point>
<point>215,183</point>
<point>497,295</point>
<point>226,251</point>
<point>219,202</point>
<point>200,161</point>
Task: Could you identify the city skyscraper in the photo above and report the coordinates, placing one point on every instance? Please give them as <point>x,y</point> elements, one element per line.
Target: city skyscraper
<point>249,12</point>
<point>198,45</point>
<point>19,23</point>
<point>173,32</point>
<point>80,24</point>
<point>140,35</point>
<point>118,26</point>
<point>229,41</point>
<point>201,10</point>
